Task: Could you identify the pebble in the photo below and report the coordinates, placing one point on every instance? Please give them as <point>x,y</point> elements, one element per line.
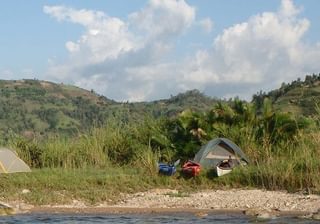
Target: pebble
<point>25,191</point>
<point>250,212</point>
<point>201,214</point>
<point>316,216</point>
<point>264,215</point>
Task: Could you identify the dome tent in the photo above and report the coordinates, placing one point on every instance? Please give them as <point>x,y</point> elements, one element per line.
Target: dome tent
<point>11,163</point>
<point>217,150</point>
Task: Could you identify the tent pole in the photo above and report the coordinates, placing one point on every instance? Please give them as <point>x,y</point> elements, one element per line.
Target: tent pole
<point>2,167</point>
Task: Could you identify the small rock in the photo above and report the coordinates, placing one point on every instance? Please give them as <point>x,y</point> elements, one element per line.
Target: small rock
<point>25,191</point>
<point>293,207</point>
<point>273,214</point>
<point>269,214</point>
<point>22,206</point>
<point>316,216</point>
<point>265,215</point>
<point>250,212</point>
<point>309,216</point>
<point>201,214</point>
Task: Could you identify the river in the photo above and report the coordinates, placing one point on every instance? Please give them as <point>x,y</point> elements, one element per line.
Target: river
<point>177,218</point>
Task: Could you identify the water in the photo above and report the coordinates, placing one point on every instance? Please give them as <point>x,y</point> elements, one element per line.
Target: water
<point>181,218</point>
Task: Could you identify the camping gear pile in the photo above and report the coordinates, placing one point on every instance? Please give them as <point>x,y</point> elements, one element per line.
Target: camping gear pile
<point>220,154</point>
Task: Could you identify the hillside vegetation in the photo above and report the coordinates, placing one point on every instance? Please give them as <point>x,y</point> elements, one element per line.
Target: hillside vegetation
<point>39,108</point>
<point>300,97</point>
<point>32,107</point>
<point>36,108</point>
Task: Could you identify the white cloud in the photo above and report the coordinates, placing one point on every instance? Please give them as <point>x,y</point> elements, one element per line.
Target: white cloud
<point>163,18</point>
<point>132,60</point>
<point>288,9</point>
<point>122,59</point>
<point>257,54</point>
<point>83,17</point>
<point>105,37</point>
<point>206,24</point>
<point>72,47</point>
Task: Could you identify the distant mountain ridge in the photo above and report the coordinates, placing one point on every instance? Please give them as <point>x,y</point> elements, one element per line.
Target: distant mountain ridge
<point>34,107</point>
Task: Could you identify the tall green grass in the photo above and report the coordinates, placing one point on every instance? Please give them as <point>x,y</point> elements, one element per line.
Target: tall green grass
<point>293,168</point>
<point>117,143</point>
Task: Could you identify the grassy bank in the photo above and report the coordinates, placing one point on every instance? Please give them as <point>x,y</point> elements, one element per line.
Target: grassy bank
<point>121,157</point>
<point>60,186</point>
<point>110,184</point>
<point>92,186</point>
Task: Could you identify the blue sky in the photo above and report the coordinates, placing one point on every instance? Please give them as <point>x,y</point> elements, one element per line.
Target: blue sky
<point>145,50</point>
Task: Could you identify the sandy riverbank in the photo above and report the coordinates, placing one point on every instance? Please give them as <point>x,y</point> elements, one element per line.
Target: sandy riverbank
<point>250,202</point>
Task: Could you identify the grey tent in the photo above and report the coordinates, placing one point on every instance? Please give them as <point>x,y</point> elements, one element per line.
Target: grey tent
<point>11,163</point>
<point>217,150</point>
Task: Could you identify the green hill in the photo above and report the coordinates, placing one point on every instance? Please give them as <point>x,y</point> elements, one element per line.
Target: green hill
<point>298,97</point>
<point>192,99</point>
<point>37,108</point>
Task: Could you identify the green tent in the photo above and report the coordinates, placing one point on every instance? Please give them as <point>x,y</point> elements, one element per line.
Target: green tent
<point>217,150</point>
